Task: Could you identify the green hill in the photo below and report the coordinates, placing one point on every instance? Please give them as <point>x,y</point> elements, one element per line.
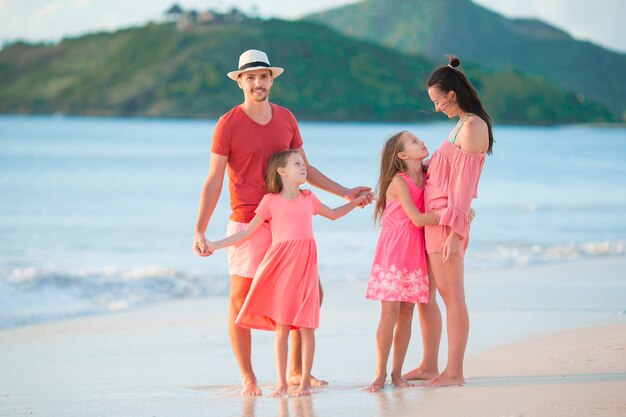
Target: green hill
<point>435,28</point>
<point>158,70</point>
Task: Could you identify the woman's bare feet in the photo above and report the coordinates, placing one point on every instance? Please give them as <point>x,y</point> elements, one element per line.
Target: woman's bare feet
<point>249,389</point>
<point>421,374</point>
<point>377,385</point>
<point>445,380</point>
<point>398,381</point>
<point>280,391</point>
<point>295,379</point>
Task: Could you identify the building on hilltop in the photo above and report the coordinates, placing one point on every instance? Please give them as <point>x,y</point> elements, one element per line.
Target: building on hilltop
<point>174,13</point>
<point>185,19</point>
<point>234,16</point>
<point>206,17</point>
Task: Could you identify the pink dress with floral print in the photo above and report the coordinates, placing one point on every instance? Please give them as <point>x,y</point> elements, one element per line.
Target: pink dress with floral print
<point>400,270</point>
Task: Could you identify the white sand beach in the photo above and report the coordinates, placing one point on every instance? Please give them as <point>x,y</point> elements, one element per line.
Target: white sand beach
<point>545,353</point>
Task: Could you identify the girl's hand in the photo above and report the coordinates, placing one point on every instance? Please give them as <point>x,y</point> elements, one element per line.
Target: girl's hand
<point>200,245</point>
<point>357,192</point>
<point>362,200</point>
<point>471,216</point>
<point>451,247</point>
<point>211,247</point>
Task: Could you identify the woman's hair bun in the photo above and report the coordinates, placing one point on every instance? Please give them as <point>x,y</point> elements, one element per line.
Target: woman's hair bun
<point>454,61</point>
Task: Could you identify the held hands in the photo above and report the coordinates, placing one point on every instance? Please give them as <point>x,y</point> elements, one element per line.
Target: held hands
<point>471,215</point>
<point>211,247</point>
<point>201,246</point>
<point>357,192</point>
<point>362,200</point>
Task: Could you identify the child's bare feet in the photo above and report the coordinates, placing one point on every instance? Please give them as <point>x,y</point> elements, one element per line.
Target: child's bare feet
<point>303,390</point>
<point>280,391</point>
<point>445,380</point>
<point>377,385</point>
<point>249,389</point>
<point>398,381</point>
<point>420,374</point>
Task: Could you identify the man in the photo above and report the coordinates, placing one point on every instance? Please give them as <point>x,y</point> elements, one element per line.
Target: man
<point>243,141</point>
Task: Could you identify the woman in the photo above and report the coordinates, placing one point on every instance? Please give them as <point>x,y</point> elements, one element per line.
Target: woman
<point>452,182</point>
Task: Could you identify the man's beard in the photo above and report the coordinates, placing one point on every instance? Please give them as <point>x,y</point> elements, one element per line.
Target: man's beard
<point>255,97</point>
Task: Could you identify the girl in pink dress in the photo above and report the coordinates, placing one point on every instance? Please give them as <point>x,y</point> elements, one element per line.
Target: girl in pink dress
<point>285,290</point>
<point>452,183</point>
<point>399,276</point>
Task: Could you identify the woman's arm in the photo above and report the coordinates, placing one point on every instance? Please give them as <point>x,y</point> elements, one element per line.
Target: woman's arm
<point>474,136</point>
<point>341,211</point>
<point>452,245</point>
<point>399,189</point>
<point>233,239</point>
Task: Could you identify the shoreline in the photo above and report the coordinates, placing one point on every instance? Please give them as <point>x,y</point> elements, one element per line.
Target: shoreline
<point>61,115</point>
<point>174,358</point>
<point>483,275</point>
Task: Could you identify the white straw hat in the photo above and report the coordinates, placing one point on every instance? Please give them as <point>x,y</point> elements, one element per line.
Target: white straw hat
<point>254,60</point>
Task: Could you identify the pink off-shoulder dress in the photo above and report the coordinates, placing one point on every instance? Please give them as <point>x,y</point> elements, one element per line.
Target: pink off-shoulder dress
<point>285,288</point>
<point>400,270</point>
<point>451,184</point>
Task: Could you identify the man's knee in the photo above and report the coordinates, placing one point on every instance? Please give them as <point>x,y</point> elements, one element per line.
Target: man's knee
<point>239,289</point>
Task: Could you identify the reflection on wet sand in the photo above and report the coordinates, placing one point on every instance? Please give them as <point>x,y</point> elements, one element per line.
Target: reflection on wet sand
<point>286,406</point>
<point>390,401</point>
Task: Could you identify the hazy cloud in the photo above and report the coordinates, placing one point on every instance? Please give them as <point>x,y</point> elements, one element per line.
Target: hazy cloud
<point>600,21</point>
<point>49,10</point>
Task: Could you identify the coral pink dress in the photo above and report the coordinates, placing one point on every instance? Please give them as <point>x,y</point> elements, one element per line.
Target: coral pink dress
<point>285,288</point>
<point>400,270</point>
<point>451,184</point>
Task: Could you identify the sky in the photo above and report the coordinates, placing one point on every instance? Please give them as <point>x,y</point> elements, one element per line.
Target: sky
<point>599,21</point>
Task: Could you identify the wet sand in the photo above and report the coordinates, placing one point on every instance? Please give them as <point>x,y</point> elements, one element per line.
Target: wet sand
<point>174,359</point>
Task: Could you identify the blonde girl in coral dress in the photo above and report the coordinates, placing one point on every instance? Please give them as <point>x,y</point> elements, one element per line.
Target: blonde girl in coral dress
<point>285,290</point>
<point>399,276</point>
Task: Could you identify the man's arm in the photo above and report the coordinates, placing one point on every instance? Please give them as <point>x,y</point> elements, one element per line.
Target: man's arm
<point>208,200</point>
<point>317,179</point>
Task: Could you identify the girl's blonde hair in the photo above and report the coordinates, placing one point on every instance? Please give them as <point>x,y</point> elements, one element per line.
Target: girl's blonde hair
<point>390,165</point>
<point>278,160</point>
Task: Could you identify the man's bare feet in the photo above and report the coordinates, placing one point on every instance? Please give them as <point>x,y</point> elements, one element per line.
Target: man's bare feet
<point>444,380</point>
<point>295,379</point>
<point>419,374</point>
<point>250,389</point>
<point>280,391</point>
<point>398,381</point>
<point>377,385</point>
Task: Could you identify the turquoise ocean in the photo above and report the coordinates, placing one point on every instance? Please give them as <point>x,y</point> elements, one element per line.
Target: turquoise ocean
<point>97,214</point>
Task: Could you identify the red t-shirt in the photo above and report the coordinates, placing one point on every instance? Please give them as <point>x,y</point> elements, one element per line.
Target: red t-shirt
<point>249,146</point>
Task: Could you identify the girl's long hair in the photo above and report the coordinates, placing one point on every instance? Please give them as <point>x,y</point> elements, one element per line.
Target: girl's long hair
<point>278,160</point>
<point>447,79</point>
<point>390,165</point>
